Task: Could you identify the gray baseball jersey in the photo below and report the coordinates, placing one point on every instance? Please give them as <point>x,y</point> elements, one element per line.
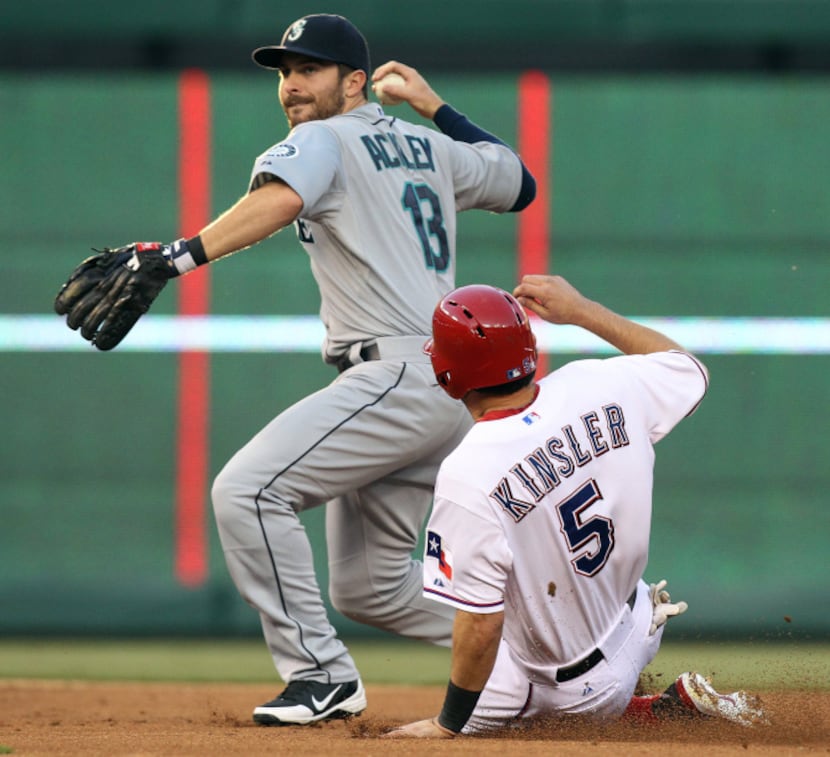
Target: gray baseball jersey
<point>380,197</point>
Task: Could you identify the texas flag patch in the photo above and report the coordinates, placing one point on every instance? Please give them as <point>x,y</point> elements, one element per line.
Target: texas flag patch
<point>436,549</point>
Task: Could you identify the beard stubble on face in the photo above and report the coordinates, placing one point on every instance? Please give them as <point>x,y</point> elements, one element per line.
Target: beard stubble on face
<point>313,108</point>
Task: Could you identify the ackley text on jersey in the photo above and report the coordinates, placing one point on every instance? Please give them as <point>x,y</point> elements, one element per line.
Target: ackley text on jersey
<point>417,154</point>
<point>541,470</point>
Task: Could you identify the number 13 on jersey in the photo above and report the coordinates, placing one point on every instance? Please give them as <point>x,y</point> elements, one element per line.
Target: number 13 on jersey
<point>425,208</point>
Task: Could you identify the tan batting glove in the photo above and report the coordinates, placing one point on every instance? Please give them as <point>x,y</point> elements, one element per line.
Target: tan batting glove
<point>662,606</point>
<point>421,729</point>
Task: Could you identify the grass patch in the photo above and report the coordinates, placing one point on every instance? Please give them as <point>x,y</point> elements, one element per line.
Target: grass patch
<point>747,665</point>
<point>241,661</point>
<point>750,665</point>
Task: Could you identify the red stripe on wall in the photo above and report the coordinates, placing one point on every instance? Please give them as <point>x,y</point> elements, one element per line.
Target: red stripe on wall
<point>191,543</point>
<point>535,140</point>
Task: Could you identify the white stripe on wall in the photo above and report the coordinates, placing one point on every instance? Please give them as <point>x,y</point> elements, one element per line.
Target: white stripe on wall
<point>159,333</point>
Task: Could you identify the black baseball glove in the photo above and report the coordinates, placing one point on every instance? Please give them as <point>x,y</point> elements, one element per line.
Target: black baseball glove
<point>110,291</point>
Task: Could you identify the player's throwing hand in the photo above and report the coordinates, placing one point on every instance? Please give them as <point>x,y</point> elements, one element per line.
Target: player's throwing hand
<point>414,89</point>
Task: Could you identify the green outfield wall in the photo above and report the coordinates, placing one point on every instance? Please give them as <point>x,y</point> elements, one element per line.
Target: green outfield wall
<point>669,197</point>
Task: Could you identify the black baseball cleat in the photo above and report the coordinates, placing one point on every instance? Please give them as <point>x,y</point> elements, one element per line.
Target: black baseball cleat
<point>304,702</point>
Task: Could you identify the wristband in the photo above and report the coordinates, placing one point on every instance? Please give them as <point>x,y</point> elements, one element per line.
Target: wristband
<point>458,706</point>
<point>187,254</point>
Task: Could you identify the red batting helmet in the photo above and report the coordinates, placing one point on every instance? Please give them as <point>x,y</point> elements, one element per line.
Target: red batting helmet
<point>481,337</point>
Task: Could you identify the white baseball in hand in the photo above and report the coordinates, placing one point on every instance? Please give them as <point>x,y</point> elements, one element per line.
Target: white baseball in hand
<point>383,96</point>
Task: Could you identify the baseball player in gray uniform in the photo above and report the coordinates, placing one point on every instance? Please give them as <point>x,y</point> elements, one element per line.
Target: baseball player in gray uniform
<point>374,201</point>
<point>540,530</point>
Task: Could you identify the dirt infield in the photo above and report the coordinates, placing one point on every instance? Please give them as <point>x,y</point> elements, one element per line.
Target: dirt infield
<point>74,718</point>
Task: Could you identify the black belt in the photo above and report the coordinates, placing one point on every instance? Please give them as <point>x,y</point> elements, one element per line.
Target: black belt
<point>570,672</point>
<point>369,352</point>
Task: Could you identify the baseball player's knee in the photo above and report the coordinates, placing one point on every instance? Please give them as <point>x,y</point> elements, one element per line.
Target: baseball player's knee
<point>223,495</point>
<point>231,497</point>
<point>369,597</point>
<point>238,505</point>
<point>362,608</point>
<point>353,592</point>
<point>348,592</point>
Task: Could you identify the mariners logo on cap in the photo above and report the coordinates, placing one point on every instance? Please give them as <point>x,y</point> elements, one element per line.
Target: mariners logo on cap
<point>296,31</point>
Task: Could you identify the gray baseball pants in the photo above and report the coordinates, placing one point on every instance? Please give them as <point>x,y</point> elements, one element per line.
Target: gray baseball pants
<point>368,446</point>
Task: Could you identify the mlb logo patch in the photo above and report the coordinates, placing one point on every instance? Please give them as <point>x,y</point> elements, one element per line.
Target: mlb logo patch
<point>436,549</point>
<point>531,418</point>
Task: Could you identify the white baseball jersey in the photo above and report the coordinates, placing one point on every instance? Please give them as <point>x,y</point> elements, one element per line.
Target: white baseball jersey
<point>378,220</point>
<point>545,512</point>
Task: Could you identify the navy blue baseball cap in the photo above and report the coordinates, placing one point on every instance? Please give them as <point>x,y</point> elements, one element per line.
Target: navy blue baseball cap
<point>323,36</point>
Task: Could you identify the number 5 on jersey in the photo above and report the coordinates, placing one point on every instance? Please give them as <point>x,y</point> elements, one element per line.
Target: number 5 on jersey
<point>592,538</point>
